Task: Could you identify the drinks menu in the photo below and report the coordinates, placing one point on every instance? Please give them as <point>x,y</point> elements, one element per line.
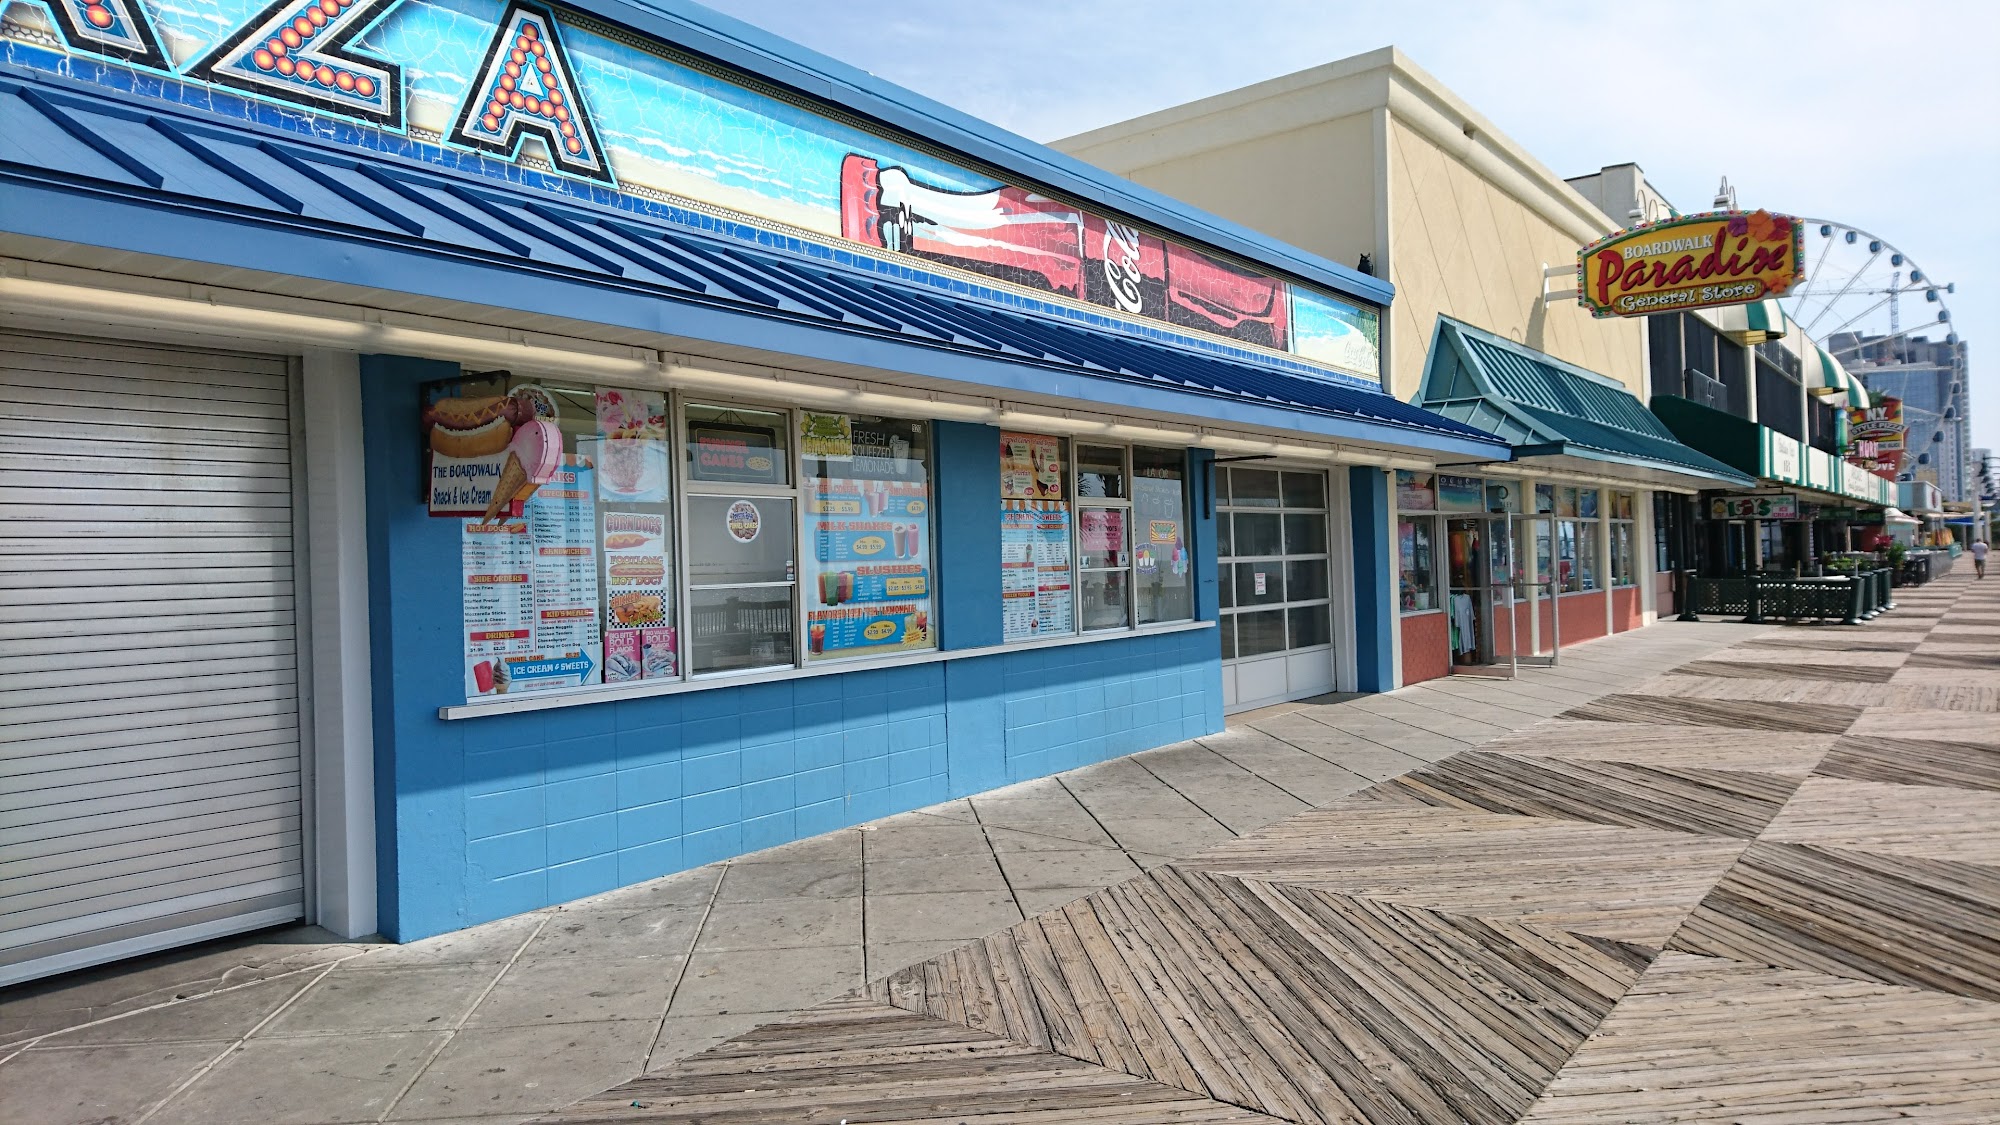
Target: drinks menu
<point>867,518</point>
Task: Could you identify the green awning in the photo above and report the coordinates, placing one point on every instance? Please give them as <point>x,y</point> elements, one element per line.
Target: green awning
<point>1546,408</point>
<point>1826,376</point>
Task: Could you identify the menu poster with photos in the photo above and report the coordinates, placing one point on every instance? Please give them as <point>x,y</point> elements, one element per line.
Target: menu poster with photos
<point>1031,467</point>
<point>867,518</point>
<point>632,446</point>
<point>531,591</point>
<point>1035,595</point>
<point>636,598</point>
<point>485,453</point>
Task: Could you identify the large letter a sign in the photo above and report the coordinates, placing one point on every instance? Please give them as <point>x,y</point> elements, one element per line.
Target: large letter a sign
<point>526,89</point>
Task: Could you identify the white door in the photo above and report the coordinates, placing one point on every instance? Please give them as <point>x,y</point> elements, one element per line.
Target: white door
<point>149,682</point>
<point>1274,581</point>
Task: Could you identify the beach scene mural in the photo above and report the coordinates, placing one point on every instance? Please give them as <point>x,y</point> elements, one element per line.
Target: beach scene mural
<point>560,90</point>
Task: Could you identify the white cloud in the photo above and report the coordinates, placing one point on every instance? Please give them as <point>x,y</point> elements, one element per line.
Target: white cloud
<point>1881,116</point>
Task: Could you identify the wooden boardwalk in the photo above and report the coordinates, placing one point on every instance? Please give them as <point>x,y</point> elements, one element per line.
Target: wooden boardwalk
<point>1762,887</point>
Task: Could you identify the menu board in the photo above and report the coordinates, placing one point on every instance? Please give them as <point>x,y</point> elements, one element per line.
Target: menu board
<point>636,602</point>
<point>867,519</point>
<point>1035,594</point>
<point>531,591</point>
<point>1031,467</point>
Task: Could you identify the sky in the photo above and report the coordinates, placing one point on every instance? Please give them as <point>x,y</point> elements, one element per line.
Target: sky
<point>1884,117</point>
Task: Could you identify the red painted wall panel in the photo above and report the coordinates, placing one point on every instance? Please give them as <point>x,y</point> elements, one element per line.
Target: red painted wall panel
<point>1582,617</point>
<point>1426,647</point>
<point>1626,611</point>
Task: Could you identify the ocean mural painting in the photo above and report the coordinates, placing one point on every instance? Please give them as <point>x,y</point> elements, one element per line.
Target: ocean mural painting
<point>563,90</point>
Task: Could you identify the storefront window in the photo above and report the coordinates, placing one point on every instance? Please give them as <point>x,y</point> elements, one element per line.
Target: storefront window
<point>1545,499</point>
<point>742,556</point>
<point>1576,540</point>
<point>1036,582</point>
<point>1624,538</point>
<point>562,495</point>
<point>1160,555</point>
<point>1416,537</point>
<point>868,527</point>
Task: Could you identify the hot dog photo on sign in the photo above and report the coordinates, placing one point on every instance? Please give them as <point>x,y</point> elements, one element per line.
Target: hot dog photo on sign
<point>488,453</point>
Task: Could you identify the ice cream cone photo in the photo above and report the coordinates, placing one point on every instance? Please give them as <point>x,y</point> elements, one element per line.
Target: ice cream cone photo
<point>513,478</point>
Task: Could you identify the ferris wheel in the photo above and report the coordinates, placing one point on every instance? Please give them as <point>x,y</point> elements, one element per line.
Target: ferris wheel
<point>1874,309</point>
<point>1859,286</point>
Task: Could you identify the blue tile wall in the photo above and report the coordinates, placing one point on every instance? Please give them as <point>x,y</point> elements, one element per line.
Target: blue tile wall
<point>482,818</point>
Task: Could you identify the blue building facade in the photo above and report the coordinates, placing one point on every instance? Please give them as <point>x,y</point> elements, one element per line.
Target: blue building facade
<point>595,441</point>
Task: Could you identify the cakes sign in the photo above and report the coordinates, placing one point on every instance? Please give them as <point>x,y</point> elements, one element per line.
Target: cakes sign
<point>1695,262</point>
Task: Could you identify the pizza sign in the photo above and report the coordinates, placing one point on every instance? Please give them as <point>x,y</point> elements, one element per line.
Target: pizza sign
<point>1696,262</point>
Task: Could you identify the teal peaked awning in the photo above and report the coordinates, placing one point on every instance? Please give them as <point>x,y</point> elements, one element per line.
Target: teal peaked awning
<point>1546,408</point>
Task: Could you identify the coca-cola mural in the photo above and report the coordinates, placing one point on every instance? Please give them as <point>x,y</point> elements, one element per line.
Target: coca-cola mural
<point>559,90</point>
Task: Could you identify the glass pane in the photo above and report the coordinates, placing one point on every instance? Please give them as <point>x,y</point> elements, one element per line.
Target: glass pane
<point>1228,627</point>
<point>1305,535</point>
<point>738,629</point>
<point>1503,496</point>
<point>1254,488</point>
<point>1305,490</point>
<point>1565,501</point>
<point>1260,583</point>
<point>1225,587</point>
<point>1102,538</point>
<point>1225,543</point>
<point>737,446</point>
<point>1305,579</point>
<point>1621,505</point>
<point>1566,575</point>
<point>1257,533</point>
<point>1159,525</point>
<point>1586,503</point>
<point>1260,633</point>
<point>867,535</point>
<point>1545,499</point>
<point>1415,558</point>
<point>1100,471</point>
<point>1586,557</point>
<point>738,539</point>
<point>1310,626</point>
<point>1103,599</point>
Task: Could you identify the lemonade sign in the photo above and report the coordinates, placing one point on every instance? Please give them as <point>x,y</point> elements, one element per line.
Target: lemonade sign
<point>1695,262</point>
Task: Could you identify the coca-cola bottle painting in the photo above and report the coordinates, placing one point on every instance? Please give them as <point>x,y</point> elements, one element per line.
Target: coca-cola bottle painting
<point>1214,296</point>
<point>1016,235</point>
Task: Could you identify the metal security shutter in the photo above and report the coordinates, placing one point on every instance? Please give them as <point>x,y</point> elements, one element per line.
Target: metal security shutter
<point>149,714</point>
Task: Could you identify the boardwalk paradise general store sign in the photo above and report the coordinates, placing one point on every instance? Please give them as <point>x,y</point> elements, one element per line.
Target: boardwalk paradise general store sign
<point>1697,262</point>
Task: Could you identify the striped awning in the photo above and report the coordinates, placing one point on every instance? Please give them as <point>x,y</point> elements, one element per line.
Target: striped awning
<point>1826,376</point>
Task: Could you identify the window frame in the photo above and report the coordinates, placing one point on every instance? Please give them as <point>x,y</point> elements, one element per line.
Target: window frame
<point>1228,607</point>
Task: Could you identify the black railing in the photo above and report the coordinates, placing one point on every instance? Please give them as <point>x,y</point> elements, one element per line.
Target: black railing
<point>1759,598</point>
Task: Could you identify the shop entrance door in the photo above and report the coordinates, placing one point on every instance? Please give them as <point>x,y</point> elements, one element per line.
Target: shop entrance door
<point>1274,584</point>
<point>1474,548</point>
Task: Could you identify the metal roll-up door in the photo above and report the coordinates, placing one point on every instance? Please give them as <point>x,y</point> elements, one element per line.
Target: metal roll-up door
<point>149,679</point>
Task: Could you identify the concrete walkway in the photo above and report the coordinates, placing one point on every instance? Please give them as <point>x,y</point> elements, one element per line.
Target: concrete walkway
<point>511,1019</point>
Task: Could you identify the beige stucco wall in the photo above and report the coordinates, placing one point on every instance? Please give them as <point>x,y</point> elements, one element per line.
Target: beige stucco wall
<point>1372,155</point>
<point>1461,246</point>
<point>1312,186</point>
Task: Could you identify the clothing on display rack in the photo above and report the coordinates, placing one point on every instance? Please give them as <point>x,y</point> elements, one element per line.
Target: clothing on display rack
<point>1464,637</point>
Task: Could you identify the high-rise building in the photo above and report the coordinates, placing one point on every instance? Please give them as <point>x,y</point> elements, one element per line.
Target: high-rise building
<point>1930,376</point>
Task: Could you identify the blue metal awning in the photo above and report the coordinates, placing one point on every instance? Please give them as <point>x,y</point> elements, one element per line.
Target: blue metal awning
<point>254,192</point>
<point>1547,408</point>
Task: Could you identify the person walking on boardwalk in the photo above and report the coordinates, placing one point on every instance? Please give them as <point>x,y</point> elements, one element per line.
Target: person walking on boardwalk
<point>1979,550</point>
